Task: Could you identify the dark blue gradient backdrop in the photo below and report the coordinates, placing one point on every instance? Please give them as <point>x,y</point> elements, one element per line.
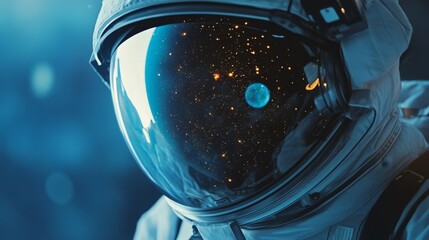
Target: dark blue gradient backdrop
<point>65,171</point>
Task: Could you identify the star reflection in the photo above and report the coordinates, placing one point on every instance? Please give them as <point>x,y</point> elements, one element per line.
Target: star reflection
<point>200,98</point>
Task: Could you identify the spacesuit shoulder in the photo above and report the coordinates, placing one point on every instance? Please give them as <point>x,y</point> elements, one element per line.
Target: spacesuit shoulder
<point>414,105</point>
<point>159,222</point>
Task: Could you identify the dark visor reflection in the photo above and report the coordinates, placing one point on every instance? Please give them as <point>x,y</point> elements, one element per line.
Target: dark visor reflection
<point>226,95</point>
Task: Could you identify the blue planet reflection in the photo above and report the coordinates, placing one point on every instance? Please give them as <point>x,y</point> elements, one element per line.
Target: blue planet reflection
<point>257,95</point>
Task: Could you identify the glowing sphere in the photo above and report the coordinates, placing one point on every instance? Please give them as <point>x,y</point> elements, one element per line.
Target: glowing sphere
<point>257,95</point>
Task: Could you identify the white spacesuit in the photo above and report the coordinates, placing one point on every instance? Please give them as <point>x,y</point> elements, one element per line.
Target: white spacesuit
<point>316,151</point>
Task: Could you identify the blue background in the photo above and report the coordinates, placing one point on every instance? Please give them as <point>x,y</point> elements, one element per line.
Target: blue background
<point>65,171</point>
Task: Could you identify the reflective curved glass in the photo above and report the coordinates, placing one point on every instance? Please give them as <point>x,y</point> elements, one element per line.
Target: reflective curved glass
<point>216,112</point>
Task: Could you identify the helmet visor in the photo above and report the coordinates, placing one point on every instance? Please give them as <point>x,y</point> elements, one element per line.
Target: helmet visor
<point>216,111</point>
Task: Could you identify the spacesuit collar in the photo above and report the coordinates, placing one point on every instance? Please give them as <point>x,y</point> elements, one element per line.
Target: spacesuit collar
<point>230,231</point>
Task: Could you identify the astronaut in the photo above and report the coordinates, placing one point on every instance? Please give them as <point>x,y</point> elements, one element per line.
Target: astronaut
<point>266,119</point>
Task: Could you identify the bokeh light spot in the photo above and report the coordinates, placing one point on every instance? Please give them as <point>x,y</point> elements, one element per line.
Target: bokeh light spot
<point>59,188</point>
<point>42,80</point>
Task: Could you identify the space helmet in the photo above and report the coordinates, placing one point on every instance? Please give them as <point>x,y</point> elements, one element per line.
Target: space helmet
<point>233,108</point>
